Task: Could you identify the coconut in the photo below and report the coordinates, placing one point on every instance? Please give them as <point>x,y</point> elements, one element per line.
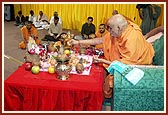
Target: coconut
<point>79,68</point>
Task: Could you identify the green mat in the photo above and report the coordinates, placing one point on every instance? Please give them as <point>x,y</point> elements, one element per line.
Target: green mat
<point>159,51</point>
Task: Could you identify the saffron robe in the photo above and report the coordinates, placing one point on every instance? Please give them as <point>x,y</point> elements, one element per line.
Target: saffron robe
<point>129,48</point>
<point>27,34</point>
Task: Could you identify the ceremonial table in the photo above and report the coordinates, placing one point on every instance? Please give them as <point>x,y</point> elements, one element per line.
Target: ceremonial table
<point>24,91</point>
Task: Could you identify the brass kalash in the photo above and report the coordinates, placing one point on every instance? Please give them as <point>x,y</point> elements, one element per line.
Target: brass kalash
<point>63,68</point>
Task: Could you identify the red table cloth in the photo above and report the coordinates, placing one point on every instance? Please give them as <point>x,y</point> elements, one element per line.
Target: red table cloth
<point>24,91</point>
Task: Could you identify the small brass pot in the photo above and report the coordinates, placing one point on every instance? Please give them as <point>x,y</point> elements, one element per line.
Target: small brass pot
<point>63,71</point>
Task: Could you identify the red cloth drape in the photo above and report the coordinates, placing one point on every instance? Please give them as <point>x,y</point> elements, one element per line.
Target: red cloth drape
<point>44,92</point>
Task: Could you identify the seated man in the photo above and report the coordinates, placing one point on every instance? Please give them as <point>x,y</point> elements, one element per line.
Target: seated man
<point>32,17</point>
<point>28,31</point>
<point>55,15</point>
<point>20,19</point>
<point>88,29</point>
<point>42,21</point>
<point>55,29</point>
<point>100,33</point>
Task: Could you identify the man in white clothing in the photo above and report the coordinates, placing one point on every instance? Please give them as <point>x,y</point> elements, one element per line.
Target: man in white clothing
<point>55,29</point>
<point>32,17</point>
<point>42,21</point>
<point>55,15</point>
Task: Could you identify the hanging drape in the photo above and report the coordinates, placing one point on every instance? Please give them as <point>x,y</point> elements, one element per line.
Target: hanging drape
<point>75,14</point>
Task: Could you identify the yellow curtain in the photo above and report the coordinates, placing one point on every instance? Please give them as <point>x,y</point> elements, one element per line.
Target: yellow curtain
<point>74,15</point>
<point>17,7</point>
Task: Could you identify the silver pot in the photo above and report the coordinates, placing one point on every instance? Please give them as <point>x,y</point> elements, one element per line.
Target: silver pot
<point>63,71</point>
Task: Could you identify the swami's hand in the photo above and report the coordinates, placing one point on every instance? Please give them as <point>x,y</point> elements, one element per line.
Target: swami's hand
<point>73,42</point>
<point>96,59</point>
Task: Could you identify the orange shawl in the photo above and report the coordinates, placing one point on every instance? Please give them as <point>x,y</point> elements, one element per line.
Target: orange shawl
<point>129,48</point>
<point>27,34</point>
